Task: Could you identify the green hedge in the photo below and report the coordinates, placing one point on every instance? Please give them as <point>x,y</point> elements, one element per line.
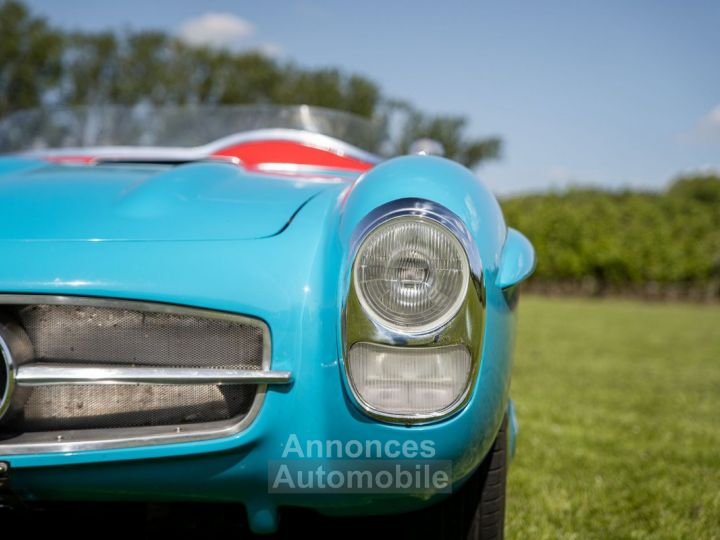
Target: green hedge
<point>625,240</point>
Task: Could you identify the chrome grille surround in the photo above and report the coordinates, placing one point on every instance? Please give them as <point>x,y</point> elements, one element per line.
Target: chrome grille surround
<point>6,377</point>
<point>72,440</point>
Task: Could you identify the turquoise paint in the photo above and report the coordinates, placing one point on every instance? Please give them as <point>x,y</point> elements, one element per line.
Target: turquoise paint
<point>517,262</point>
<point>230,261</point>
<point>197,201</point>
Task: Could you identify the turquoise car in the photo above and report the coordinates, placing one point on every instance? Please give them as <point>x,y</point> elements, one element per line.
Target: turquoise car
<point>241,305</point>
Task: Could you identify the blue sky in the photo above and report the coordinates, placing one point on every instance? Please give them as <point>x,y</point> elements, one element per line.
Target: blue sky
<point>613,93</point>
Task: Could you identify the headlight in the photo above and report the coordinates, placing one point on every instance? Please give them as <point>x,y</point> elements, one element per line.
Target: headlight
<point>409,381</point>
<point>411,274</point>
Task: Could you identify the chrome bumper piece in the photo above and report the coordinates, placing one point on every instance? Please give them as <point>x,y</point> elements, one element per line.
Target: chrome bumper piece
<point>43,374</point>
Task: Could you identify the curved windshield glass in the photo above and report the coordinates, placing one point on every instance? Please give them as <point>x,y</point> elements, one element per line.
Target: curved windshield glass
<point>183,126</point>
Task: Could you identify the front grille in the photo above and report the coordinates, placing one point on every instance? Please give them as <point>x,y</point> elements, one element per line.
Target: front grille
<point>63,407</point>
<point>90,333</point>
<point>97,335</point>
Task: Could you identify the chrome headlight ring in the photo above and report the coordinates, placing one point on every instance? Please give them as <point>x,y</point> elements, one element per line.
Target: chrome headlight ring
<point>411,274</point>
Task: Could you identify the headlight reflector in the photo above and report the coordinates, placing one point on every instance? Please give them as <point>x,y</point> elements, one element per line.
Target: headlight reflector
<point>411,274</point>
<point>409,381</point>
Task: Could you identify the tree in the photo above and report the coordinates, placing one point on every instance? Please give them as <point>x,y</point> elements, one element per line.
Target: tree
<point>448,131</point>
<point>41,66</point>
<point>700,187</point>
<point>30,55</point>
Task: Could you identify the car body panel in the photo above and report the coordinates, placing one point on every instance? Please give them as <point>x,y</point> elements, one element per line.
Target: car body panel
<point>283,265</point>
<point>195,201</point>
<point>517,262</point>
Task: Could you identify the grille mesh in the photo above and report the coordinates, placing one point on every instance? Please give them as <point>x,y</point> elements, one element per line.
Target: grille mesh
<point>128,337</point>
<point>76,335</point>
<point>51,408</point>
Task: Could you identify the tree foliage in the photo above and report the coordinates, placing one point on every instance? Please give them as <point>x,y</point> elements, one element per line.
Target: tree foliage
<point>30,54</point>
<point>626,239</point>
<point>447,130</point>
<point>40,66</point>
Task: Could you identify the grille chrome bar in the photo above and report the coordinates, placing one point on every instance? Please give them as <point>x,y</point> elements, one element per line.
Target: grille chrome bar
<point>44,374</point>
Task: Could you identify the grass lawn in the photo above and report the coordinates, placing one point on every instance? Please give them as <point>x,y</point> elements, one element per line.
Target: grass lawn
<point>619,410</point>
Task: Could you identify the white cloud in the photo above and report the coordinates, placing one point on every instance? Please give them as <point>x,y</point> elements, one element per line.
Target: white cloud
<point>706,130</point>
<point>271,49</point>
<point>712,119</point>
<point>221,30</point>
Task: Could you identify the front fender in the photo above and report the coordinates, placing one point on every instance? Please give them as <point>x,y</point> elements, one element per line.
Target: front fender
<point>457,189</point>
<point>435,179</point>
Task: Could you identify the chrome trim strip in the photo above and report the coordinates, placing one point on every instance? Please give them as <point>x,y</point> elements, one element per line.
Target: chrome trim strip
<point>106,439</point>
<point>15,350</point>
<point>103,439</point>
<point>328,174</point>
<point>46,374</point>
<point>10,369</point>
<point>196,153</point>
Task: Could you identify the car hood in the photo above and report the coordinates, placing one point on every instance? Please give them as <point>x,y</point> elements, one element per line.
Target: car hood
<point>195,201</point>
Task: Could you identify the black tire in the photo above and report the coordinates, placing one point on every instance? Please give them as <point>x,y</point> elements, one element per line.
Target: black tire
<point>477,510</point>
<point>488,520</point>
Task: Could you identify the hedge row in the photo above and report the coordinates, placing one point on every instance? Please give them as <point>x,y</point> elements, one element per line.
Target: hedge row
<point>599,241</point>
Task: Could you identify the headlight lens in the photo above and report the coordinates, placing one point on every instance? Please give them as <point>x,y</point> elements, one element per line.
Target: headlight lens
<point>409,381</point>
<point>411,274</point>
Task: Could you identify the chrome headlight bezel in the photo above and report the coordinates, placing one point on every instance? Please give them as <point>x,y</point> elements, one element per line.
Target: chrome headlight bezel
<point>370,304</point>
<point>466,326</point>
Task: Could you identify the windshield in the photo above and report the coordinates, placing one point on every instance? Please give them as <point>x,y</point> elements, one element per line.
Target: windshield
<point>174,126</point>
